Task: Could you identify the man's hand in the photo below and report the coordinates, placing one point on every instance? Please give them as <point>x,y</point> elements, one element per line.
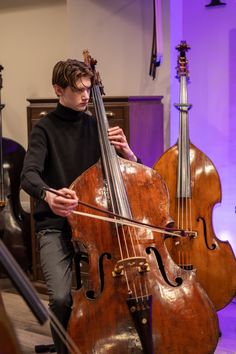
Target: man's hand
<point>118,139</point>
<point>62,205</point>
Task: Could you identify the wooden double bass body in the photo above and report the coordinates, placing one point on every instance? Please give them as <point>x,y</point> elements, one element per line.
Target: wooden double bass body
<point>136,299</point>
<point>14,221</point>
<point>195,188</point>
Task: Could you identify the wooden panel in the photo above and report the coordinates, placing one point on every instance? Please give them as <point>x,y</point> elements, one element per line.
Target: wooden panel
<point>146,128</point>
<point>117,115</point>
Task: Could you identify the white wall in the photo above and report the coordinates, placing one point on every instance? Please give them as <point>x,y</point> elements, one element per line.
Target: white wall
<point>33,36</point>
<point>119,35</point>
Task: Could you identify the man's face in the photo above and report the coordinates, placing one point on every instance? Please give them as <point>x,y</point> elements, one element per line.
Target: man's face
<point>76,99</point>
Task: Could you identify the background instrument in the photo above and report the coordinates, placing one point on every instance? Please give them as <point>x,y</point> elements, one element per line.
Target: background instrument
<point>14,221</point>
<point>194,187</point>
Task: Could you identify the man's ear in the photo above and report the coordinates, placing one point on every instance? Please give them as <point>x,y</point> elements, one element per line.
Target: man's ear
<point>58,90</point>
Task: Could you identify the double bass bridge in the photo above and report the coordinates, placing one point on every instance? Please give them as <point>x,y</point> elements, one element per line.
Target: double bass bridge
<point>139,262</point>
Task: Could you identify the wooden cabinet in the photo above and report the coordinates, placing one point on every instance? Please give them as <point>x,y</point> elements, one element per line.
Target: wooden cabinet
<point>116,112</point>
<point>141,118</point>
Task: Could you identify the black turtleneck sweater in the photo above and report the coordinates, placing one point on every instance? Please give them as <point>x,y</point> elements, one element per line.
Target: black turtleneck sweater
<point>62,146</point>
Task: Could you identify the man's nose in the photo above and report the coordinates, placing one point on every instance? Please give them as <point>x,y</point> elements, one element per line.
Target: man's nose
<point>85,94</point>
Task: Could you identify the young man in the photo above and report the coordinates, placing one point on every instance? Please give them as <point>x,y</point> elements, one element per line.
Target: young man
<point>62,146</point>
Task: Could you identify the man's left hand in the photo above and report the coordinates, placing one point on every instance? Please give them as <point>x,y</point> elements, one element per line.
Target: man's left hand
<point>118,139</point>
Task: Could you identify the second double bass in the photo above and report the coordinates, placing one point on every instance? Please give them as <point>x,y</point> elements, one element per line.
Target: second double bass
<point>136,299</point>
<point>194,187</point>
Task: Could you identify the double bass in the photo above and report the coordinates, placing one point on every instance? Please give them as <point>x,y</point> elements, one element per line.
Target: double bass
<point>14,221</point>
<point>136,299</point>
<point>194,186</point>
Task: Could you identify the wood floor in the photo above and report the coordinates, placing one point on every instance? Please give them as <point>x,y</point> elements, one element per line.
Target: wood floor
<point>30,333</point>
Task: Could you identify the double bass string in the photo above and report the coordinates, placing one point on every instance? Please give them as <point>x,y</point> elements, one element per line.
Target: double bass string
<point>110,168</point>
<point>117,193</point>
<point>116,188</point>
<point>184,194</point>
<point>113,176</point>
<point>109,158</point>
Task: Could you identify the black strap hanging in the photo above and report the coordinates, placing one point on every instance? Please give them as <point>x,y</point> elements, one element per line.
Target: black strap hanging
<point>156,54</point>
<point>215,3</point>
<point>2,196</point>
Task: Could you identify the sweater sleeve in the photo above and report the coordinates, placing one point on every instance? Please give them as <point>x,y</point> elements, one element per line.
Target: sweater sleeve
<point>32,173</point>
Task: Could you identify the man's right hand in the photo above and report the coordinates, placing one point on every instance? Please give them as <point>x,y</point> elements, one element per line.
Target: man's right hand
<point>60,205</point>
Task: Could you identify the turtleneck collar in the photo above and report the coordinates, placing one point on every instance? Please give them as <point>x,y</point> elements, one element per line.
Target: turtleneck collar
<point>68,114</point>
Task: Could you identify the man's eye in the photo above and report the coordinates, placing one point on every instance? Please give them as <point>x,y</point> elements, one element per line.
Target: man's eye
<point>82,90</point>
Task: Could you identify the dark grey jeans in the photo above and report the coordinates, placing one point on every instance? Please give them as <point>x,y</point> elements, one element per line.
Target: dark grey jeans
<point>56,256</point>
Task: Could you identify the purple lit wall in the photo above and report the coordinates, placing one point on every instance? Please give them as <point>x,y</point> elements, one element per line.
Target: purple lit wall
<point>211,34</point>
